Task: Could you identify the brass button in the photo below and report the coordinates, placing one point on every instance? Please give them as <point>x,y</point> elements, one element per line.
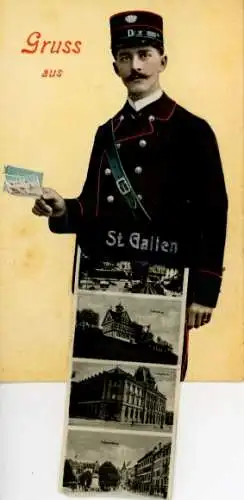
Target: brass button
<point>107,171</point>
<point>138,170</point>
<point>110,198</point>
<point>142,143</point>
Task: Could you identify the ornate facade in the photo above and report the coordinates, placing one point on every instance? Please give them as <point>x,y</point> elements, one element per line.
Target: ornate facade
<point>119,396</point>
<point>152,471</point>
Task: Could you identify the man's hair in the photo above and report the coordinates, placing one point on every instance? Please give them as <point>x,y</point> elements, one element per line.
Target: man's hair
<point>156,45</point>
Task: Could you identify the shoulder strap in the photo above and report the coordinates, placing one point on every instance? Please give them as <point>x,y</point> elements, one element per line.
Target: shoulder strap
<point>122,182</point>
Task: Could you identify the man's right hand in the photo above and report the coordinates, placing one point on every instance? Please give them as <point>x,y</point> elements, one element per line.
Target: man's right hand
<point>49,204</point>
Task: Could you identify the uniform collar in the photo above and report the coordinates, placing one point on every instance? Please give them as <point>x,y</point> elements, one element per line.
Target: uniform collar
<point>145,101</point>
<point>161,108</point>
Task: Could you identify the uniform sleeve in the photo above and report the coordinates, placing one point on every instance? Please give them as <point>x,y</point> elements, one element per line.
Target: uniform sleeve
<point>83,208</point>
<point>212,209</point>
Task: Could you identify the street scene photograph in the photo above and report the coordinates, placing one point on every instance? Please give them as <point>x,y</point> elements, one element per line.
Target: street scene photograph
<point>112,462</point>
<point>130,277</point>
<point>123,396</point>
<point>128,328</point>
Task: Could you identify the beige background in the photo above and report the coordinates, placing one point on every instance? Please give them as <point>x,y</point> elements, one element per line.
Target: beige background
<point>49,124</point>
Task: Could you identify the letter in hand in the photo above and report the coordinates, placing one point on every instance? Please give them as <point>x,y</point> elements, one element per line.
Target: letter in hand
<point>49,204</point>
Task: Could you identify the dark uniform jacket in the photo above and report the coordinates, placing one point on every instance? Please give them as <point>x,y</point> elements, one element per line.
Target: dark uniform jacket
<point>172,160</point>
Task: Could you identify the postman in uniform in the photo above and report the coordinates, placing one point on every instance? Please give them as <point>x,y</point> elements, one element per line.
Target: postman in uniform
<point>156,165</point>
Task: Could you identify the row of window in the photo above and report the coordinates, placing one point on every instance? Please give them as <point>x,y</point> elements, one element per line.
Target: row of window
<point>150,402</point>
<point>134,413</point>
<point>150,458</point>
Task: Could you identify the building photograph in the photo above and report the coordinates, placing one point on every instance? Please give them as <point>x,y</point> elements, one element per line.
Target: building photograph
<point>128,328</point>
<point>129,277</point>
<point>123,396</point>
<point>102,461</point>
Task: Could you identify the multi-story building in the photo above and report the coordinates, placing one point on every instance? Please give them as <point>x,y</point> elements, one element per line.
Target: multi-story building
<point>130,476</point>
<point>144,471</point>
<point>160,472</point>
<point>152,474</point>
<point>165,469</point>
<point>120,396</point>
<point>118,324</point>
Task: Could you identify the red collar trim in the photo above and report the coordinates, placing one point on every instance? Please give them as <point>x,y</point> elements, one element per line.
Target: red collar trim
<point>162,109</point>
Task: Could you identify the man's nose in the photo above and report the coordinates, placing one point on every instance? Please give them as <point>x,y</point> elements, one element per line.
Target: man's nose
<point>136,63</point>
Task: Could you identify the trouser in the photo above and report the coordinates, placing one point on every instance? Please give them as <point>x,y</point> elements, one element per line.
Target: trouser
<point>184,363</point>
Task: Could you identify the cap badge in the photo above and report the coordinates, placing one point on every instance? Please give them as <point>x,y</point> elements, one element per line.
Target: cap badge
<point>131,18</point>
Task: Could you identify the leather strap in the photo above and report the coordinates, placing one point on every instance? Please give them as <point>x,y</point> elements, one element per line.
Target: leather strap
<point>122,182</point>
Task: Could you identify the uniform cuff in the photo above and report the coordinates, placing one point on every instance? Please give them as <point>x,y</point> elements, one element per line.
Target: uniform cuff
<point>69,222</point>
<point>207,288</point>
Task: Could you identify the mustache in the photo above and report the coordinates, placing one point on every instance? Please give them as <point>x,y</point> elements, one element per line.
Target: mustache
<point>135,75</point>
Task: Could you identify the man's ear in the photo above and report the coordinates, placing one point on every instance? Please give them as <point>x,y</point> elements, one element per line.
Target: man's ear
<point>164,62</point>
<point>115,68</point>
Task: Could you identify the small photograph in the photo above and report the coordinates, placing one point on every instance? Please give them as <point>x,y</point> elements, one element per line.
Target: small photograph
<point>127,328</point>
<point>130,277</point>
<point>127,464</point>
<point>123,397</point>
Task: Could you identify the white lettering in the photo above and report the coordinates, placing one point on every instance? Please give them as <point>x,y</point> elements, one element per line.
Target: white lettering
<point>112,241</point>
<point>174,247</point>
<point>120,242</point>
<point>144,244</point>
<point>165,246</point>
<point>130,32</point>
<point>157,244</point>
<point>135,240</point>
<point>151,34</point>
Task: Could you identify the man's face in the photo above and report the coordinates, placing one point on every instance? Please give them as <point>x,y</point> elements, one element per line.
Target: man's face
<point>139,69</point>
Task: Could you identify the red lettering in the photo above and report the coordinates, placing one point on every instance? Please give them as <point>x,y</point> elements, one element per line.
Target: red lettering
<point>67,45</point>
<point>44,44</point>
<point>52,73</point>
<point>35,42</point>
<point>54,49</point>
<point>45,73</point>
<point>36,35</point>
<point>77,45</point>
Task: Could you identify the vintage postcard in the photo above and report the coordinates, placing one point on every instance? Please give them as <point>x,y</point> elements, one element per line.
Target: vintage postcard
<point>133,397</point>
<point>22,182</point>
<point>128,465</point>
<point>133,402</point>
<point>122,236</point>
<point>126,276</point>
<point>120,113</point>
<point>150,331</point>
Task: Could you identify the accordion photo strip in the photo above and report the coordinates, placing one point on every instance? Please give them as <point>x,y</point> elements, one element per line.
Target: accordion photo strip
<point>124,379</point>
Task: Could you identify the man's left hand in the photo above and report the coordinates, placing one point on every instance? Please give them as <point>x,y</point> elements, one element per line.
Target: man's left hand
<point>198,315</point>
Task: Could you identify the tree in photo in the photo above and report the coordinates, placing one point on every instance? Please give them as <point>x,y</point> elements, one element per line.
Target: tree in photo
<point>87,317</point>
<point>69,479</point>
<point>109,477</point>
<point>86,479</point>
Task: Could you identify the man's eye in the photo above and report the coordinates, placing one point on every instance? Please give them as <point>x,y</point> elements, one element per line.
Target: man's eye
<point>144,55</point>
<point>124,58</point>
